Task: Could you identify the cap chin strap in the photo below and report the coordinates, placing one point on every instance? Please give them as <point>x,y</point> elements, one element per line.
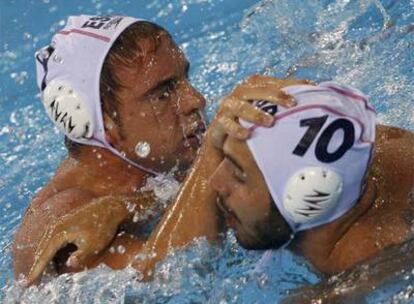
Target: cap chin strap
<point>70,113</point>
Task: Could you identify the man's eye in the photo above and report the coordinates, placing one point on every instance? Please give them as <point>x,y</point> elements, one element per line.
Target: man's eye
<point>236,171</point>
<point>168,90</point>
<point>240,175</point>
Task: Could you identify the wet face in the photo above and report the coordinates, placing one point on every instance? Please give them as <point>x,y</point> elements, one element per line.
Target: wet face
<point>160,107</point>
<point>245,200</point>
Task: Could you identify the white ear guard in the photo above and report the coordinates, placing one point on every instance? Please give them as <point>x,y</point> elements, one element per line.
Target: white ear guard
<point>311,194</point>
<point>67,110</point>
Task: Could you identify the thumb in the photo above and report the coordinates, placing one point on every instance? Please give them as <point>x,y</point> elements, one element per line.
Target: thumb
<point>77,259</point>
<point>47,249</point>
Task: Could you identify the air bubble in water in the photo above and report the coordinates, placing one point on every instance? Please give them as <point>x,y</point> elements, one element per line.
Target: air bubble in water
<point>19,77</point>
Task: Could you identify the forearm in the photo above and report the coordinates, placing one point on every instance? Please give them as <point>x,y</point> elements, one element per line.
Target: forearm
<point>194,213</point>
<point>352,285</point>
<point>89,223</point>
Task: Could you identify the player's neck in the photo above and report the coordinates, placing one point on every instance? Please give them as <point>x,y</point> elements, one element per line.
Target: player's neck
<point>318,243</point>
<point>101,160</point>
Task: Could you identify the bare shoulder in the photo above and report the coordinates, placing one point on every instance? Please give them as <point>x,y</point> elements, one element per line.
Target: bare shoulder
<point>394,157</point>
<point>391,133</point>
<point>388,222</point>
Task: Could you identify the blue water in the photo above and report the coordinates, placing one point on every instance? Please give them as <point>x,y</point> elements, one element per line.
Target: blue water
<point>365,43</point>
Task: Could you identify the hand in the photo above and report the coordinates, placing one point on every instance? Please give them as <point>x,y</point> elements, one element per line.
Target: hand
<point>238,105</point>
<point>91,228</point>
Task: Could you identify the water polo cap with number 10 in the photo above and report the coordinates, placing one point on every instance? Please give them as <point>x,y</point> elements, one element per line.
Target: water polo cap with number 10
<point>68,75</point>
<point>316,156</point>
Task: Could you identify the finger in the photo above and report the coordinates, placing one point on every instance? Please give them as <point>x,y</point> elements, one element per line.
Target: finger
<point>292,81</point>
<point>270,80</point>
<point>247,111</point>
<point>232,128</point>
<point>77,259</point>
<point>217,136</point>
<point>263,80</point>
<point>268,93</point>
<point>47,249</point>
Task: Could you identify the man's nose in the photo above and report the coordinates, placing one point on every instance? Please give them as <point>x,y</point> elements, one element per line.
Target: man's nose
<point>190,100</point>
<point>219,180</point>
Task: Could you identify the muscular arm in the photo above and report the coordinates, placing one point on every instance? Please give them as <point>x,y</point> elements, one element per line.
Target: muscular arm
<point>37,217</point>
<point>194,213</point>
<point>354,284</point>
<point>72,216</point>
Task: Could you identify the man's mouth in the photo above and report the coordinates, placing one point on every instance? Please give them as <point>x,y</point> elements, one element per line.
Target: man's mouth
<point>230,216</point>
<point>194,133</point>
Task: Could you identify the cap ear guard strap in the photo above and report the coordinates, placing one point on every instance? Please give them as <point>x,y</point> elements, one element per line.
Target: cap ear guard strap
<point>43,57</point>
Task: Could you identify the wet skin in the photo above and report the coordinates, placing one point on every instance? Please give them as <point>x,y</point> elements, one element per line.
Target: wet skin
<point>158,106</point>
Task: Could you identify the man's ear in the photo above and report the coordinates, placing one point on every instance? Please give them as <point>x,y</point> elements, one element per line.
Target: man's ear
<point>112,130</point>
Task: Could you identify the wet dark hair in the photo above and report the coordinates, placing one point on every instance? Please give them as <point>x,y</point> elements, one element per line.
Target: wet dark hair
<point>127,49</point>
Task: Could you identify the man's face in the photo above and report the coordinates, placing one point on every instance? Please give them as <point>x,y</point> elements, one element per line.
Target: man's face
<point>160,107</point>
<point>245,200</point>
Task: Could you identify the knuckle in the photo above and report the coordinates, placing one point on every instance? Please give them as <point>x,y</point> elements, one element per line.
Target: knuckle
<point>240,106</point>
<point>238,90</point>
<point>259,117</point>
<point>221,121</point>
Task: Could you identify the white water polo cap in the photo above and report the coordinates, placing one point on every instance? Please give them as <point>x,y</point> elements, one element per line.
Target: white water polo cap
<point>68,75</point>
<point>316,156</point>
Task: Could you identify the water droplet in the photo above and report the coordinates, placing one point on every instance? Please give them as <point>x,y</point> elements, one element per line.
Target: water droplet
<point>130,207</point>
<point>27,36</point>
<point>142,149</point>
<point>136,217</point>
<point>121,249</point>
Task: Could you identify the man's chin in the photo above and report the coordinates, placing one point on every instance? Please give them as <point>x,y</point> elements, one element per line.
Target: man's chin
<point>249,242</point>
<point>186,157</point>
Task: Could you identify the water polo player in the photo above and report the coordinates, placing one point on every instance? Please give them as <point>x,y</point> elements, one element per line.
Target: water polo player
<point>314,182</point>
<point>118,88</point>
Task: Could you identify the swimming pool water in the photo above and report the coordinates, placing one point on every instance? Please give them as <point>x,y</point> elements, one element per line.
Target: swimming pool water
<point>365,43</point>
